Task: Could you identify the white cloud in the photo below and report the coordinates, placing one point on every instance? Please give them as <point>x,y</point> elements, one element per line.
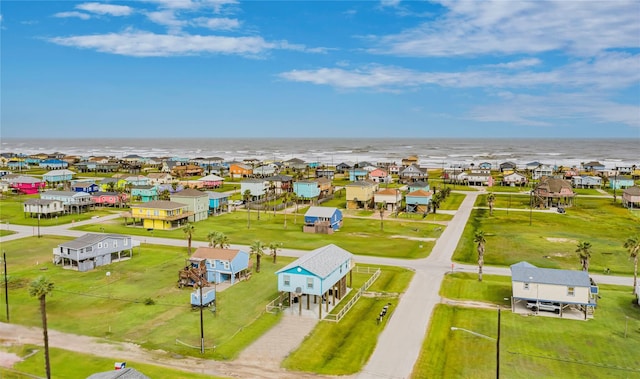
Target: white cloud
<point>607,71</point>
<point>515,65</point>
<point>560,107</point>
<point>79,15</point>
<point>167,18</point>
<point>389,3</point>
<point>217,23</point>
<point>106,9</point>
<point>216,5</point>
<point>146,44</point>
<point>510,27</point>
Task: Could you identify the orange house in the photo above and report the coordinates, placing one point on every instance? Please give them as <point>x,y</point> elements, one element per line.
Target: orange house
<point>239,170</point>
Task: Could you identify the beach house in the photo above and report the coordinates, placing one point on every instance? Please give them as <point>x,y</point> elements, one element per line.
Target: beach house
<point>93,250</point>
<point>322,220</point>
<point>389,198</point>
<point>320,273</point>
<point>360,194</point>
<point>160,214</point>
<point>197,203</point>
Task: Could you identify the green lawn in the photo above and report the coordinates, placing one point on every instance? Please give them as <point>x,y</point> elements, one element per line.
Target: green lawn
<point>530,346</point>
<point>343,348</point>
<point>358,235</point>
<point>551,239</point>
<point>504,200</point>
<point>453,201</point>
<point>69,364</point>
<point>81,301</point>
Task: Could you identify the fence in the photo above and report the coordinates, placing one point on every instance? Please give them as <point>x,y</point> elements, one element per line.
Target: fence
<point>360,270</point>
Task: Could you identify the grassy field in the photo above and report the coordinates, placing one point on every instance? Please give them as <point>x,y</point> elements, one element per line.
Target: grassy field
<point>358,235</point>
<point>551,239</point>
<point>343,348</point>
<point>80,301</point>
<point>70,365</point>
<point>530,346</point>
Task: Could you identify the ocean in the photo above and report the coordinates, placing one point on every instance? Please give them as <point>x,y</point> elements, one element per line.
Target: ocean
<point>440,152</point>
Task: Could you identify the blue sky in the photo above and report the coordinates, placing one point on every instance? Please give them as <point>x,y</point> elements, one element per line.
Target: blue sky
<point>225,68</point>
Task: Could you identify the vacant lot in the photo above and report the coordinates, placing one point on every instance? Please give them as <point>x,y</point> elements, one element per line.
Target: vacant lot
<point>551,239</point>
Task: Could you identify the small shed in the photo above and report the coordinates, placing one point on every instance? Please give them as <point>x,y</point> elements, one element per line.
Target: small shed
<point>320,273</point>
<point>322,220</point>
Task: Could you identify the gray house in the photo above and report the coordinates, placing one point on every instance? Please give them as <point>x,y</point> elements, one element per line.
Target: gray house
<point>92,250</point>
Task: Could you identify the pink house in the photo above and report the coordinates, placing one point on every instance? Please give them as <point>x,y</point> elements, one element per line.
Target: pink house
<point>109,199</point>
<point>380,176</point>
<point>211,181</point>
<point>26,184</point>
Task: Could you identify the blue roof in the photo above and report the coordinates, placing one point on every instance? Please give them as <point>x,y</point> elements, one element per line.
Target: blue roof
<point>528,273</point>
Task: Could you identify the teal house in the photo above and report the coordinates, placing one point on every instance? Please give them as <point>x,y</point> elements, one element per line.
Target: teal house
<point>58,176</point>
<point>320,273</point>
<point>306,189</point>
<point>620,182</point>
<point>218,201</point>
<point>144,193</point>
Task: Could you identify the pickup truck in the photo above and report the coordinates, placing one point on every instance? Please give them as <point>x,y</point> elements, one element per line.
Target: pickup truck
<point>543,306</point>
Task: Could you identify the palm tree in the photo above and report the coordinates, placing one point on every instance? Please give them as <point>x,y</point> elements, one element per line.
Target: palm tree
<point>274,247</point>
<point>188,230</point>
<point>257,248</point>
<point>381,207</point>
<point>435,201</point>
<point>480,239</point>
<point>246,195</point>
<point>491,198</point>
<point>211,237</point>
<point>221,240</point>
<point>633,246</point>
<point>40,288</point>
<point>584,252</point>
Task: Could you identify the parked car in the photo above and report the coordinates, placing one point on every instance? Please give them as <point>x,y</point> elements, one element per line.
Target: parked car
<point>561,210</point>
<point>543,306</point>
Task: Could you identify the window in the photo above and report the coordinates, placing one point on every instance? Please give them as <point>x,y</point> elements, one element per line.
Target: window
<point>99,245</point>
<point>571,291</point>
<point>287,280</point>
<point>115,243</point>
<point>525,286</point>
<point>89,249</point>
<point>226,265</point>
<point>126,242</point>
<point>309,282</point>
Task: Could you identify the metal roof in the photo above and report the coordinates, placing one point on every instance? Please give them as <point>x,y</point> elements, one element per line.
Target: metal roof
<point>320,212</point>
<point>527,273</point>
<point>321,261</point>
<point>90,239</point>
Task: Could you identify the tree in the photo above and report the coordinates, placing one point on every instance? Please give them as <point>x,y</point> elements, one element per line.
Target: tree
<point>633,247</point>
<point>257,248</point>
<point>40,288</point>
<point>274,247</point>
<point>221,240</point>
<point>246,196</point>
<point>584,252</point>
<point>381,207</point>
<point>188,230</point>
<point>491,198</point>
<point>480,239</point>
<point>211,238</point>
<point>435,201</point>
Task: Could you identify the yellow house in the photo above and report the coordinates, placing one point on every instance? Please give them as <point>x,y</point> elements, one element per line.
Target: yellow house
<point>360,194</point>
<point>161,214</point>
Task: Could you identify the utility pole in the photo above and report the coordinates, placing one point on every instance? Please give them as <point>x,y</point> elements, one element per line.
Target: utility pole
<point>201,322</point>
<point>6,284</point>
<point>498,348</point>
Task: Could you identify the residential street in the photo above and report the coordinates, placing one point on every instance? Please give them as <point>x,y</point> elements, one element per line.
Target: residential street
<point>398,346</point>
